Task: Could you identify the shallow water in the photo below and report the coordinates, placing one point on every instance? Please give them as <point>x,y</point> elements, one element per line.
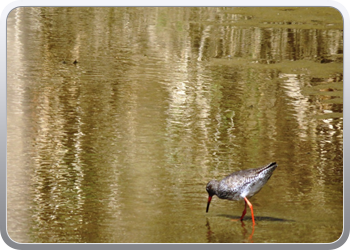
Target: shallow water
<point>119,146</point>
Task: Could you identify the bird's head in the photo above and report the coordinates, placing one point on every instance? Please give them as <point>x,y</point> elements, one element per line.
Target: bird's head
<point>211,188</point>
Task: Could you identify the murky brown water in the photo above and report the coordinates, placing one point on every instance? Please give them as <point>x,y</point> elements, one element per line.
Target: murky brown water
<point>119,146</point>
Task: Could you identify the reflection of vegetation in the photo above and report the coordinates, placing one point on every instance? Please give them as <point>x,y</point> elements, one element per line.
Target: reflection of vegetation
<point>310,68</point>
<point>291,17</point>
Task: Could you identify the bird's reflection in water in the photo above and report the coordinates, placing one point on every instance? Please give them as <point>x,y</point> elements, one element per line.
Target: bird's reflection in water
<point>209,232</point>
<point>230,233</point>
<point>246,234</point>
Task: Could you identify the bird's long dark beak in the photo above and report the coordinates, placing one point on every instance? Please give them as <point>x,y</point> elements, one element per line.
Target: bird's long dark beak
<point>209,199</point>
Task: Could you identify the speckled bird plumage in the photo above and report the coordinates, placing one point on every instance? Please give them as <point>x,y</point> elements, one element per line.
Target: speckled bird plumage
<point>240,184</point>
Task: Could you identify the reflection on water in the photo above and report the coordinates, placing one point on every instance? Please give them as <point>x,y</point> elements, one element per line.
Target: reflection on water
<point>118,147</point>
<point>247,237</point>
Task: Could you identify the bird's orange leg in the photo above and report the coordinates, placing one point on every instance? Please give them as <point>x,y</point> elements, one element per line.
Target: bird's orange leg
<point>251,209</point>
<point>244,211</point>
